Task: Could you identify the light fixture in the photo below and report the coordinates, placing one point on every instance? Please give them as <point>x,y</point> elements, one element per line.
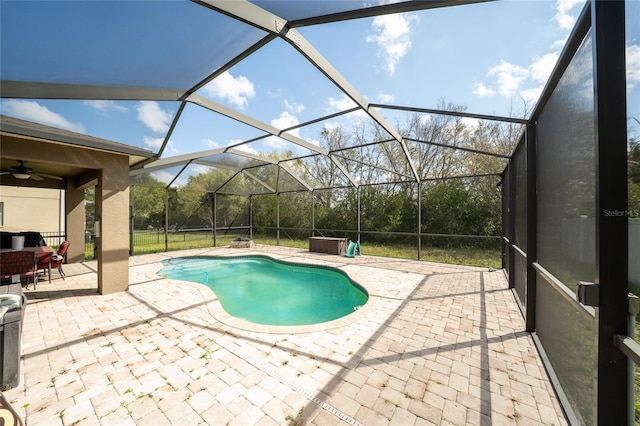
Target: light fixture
<point>21,175</point>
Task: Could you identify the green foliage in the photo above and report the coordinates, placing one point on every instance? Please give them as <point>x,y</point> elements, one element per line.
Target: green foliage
<point>451,207</point>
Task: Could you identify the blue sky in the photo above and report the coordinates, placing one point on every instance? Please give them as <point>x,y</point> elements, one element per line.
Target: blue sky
<point>493,58</point>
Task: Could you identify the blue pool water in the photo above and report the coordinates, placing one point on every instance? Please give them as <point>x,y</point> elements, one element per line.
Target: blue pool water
<point>264,291</point>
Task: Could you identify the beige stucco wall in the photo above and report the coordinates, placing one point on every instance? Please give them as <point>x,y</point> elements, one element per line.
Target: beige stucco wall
<point>75,212</point>
<point>32,209</point>
<point>112,207</point>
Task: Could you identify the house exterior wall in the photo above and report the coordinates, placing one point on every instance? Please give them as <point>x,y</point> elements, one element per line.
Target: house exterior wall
<point>32,209</point>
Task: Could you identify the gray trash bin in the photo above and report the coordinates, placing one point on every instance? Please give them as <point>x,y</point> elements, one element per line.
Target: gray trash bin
<point>10,339</point>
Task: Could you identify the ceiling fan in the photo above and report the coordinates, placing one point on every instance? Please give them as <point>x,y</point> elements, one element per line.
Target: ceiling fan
<point>23,172</point>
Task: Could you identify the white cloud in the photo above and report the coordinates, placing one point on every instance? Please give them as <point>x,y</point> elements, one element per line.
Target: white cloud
<point>33,111</point>
<point>386,98</point>
<point>154,117</point>
<point>285,120</point>
<point>483,91</point>
<point>510,77</point>
<point>330,126</point>
<point>541,67</point>
<point>200,169</point>
<point>341,104</point>
<point>106,106</point>
<point>275,142</point>
<point>245,148</point>
<point>513,80</point>
<point>563,7</point>
<point>392,34</point>
<point>293,107</point>
<point>236,90</point>
<point>167,178</point>
<point>633,65</point>
<point>559,44</point>
<point>532,95</point>
<point>153,143</point>
<point>211,143</point>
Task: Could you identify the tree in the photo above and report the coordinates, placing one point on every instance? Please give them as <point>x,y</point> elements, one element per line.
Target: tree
<point>148,196</point>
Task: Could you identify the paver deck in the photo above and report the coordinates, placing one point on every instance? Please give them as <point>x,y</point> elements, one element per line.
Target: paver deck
<point>436,344</point>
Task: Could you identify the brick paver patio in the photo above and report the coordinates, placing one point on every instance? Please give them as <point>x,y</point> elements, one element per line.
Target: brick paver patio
<point>435,344</point>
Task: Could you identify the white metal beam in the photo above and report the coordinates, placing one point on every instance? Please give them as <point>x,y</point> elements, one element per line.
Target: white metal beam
<point>250,121</point>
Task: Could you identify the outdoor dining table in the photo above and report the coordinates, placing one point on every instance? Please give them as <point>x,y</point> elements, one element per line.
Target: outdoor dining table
<point>38,252</point>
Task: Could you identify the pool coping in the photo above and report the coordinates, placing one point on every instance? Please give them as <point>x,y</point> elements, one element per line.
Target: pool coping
<point>216,310</point>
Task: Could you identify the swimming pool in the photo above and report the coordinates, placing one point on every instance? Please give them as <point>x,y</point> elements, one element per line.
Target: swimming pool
<point>270,292</point>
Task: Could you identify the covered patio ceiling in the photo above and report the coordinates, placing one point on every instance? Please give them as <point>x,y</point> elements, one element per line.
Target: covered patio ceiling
<point>182,47</point>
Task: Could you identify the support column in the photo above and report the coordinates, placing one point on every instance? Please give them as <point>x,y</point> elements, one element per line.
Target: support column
<point>75,223</point>
<point>511,231</point>
<point>532,229</point>
<point>419,219</point>
<point>358,197</point>
<point>313,213</point>
<point>112,205</point>
<point>131,220</point>
<point>608,26</point>
<point>278,219</point>
<point>251,217</point>
<point>166,219</point>
<point>215,218</point>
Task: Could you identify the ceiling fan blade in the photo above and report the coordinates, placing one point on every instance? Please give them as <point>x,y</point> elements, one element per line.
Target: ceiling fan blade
<point>42,175</point>
<point>4,173</point>
<point>35,176</point>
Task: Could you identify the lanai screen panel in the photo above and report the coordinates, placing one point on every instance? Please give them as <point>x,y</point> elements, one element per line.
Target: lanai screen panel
<point>461,212</point>
<point>288,182</point>
<point>201,129</point>
<point>264,218</point>
<point>336,209</point>
<point>633,130</point>
<point>566,229</point>
<point>506,220</point>
<point>108,42</point>
<point>318,171</point>
<point>295,216</point>
<point>148,205</point>
<point>292,10</point>
<point>520,216</point>
<point>232,215</point>
<point>158,178</point>
<point>437,162</point>
<point>379,163</point>
<point>244,184</point>
<point>389,208</point>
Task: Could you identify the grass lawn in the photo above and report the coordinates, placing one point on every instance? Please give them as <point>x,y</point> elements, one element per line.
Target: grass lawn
<point>154,243</point>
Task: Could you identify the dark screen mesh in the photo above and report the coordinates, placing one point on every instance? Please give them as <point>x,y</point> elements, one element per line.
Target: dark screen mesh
<point>566,227</point>
<point>520,161</point>
<point>520,276</point>
<point>506,220</point>
<point>566,176</point>
<point>567,334</point>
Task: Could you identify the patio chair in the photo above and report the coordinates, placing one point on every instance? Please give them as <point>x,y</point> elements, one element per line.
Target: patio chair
<point>58,259</point>
<point>17,263</point>
<point>44,264</point>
